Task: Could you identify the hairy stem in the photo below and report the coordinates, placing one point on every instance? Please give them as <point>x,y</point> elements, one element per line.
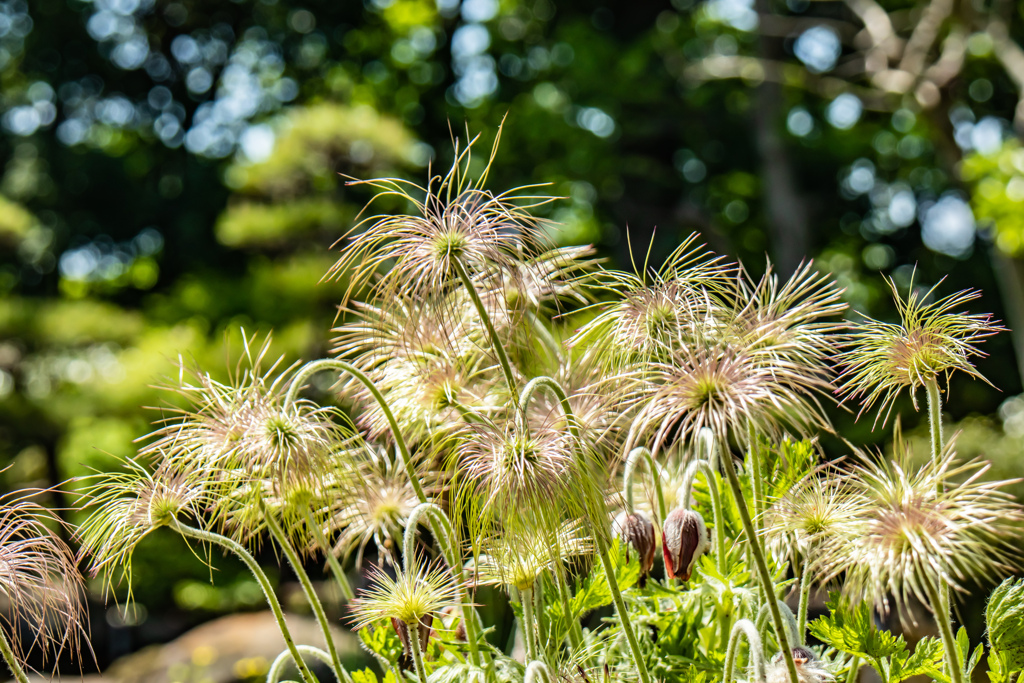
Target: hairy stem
<point>744,628</point>
<point>620,609</point>
<point>417,653</point>
<point>754,465</point>
<point>546,382</point>
<point>627,481</point>
<point>942,618</point>
<point>336,570</point>
<point>499,348</point>
<point>805,598</point>
<point>444,534</point>
<point>268,591</point>
<point>721,554</point>
<point>313,367</point>
<point>765,577</point>
<point>12,661</point>
<point>854,672</point>
<point>935,419</point>
<point>277,668</point>
<point>537,672</point>
<point>307,586</point>
<point>575,630</point>
<point>529,627</point>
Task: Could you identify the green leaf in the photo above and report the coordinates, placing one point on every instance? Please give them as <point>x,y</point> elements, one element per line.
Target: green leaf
<point>925,660</point>
<point>595,593</point>
<point>1004,617</point>
<point>364,676</point>
<point>383,641</point>
<point>997,667</point>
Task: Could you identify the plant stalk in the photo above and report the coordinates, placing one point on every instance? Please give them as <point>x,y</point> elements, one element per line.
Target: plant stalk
<point>268,591</point>
<point>754,465</point>
<point>536,383</point>
<point>627,481</point>
<point>537,672</point>
<point>767,586</point>
<point>620,608</point>
<point>417,653</point>
<point>942,618</point>
<point>854,672</point>
<point>313,367</point>
<point>935,420</point>
<point>12,661</point>
<point>445,536</point>
<point>307,587</point>
<point>529,627</point>
<point>277,668</point>
<point>499,348</point>
<point>717,511</point>
<point>332,561</point>
<point>744,628</point>
<point>802,607</point>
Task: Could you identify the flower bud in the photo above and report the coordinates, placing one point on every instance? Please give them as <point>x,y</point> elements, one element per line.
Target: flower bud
<point>638,532</point>
<point>809,668</point>
<point>684,539</point>
<point>402,629</point>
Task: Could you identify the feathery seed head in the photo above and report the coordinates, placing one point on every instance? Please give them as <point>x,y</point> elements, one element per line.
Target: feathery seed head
<point>516,557</point>
<point>881,359</point>
<point>912,534</point>
<point>410,597</point>
<point>684,539</point>
<point>456,223</point>
<point>40,580</point>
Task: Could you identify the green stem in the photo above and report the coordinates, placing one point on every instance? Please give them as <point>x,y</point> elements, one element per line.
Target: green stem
<point>12,661</point>
<point>762,568</point>
<point>852,674</point>
<point>575,630</point>
<point>744,628</point>
<point>313,367</point>
<point>620,608</point>
<point>943,620</point>
<point>529,627</point>
<point>268,591</point>
<point>536,672</point>
<point>307,586</point>
<point>277,668</point>
<point>627,481</point>
<point>754,465</point>
<point>935,421</point>
<point>717,511</point>
<point>417,653</point>
<point>555,388</point>
<point>332,561</point>
<point>444,534</point>
<point>499,348</point>
<point>538,616</point>
<point>805,598</point>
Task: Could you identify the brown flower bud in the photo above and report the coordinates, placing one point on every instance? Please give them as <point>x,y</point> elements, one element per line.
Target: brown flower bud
<point>638,532</point>
<point>685,539</point>
<point>809,668</point>
<point>402,629</point>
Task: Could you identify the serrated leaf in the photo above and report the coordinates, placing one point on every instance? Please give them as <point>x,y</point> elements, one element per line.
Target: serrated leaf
<point>595,593</point>
<point>383,641</point>
<point>851,630</point>
<point>364,676</point>
<point>925,660</point>
<point>1004,617</point>
<point>997,671</point>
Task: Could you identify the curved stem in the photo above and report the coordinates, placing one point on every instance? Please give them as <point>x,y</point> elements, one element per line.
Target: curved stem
<point>555,388</point>
<point>537,671</point>
<point>12,661</point>
<point>620,609</point>
<point>941,612</point>
<point>499,348</point>
<point>261,578</point>
<point>744,628</point>
<point>762,568</point>
<point>313,367</point>
<point>277,668</point>
<point>442,529</point>
<point>417,653</point>
<point>721,553</point>
<point>538,617</point>
<point>529,628</point>
<point>332,561</point>
<point>307,586</point>
<point>627,481</point>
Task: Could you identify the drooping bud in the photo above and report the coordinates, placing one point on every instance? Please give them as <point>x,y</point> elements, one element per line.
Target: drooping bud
<point>402,629</point>
<point>638,532</point>
<point>685,539</point>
